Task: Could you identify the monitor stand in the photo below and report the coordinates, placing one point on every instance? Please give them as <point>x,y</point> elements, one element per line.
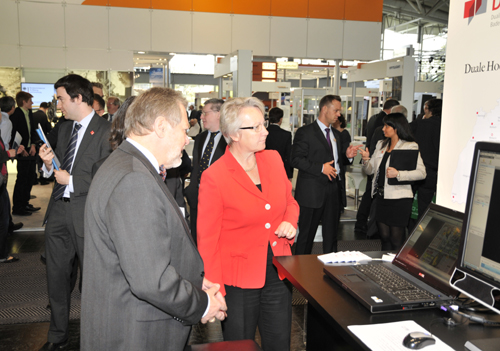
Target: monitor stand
<point>482,344</point>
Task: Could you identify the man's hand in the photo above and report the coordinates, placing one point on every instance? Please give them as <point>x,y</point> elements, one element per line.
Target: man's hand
<point>352,150</point>
<point>62,176</point>
<point>20,149</point>
<point>329,170</point>
<point>286,229</point>
<point>392,172</point>
<point>46,155</point>
<point>218,305</point>
<point>33,150</point>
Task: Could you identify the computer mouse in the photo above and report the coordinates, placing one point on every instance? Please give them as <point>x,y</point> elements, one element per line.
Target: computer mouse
<point>418,340</point>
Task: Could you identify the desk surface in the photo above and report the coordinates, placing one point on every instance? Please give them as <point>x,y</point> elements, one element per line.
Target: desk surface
<point>341,310</point>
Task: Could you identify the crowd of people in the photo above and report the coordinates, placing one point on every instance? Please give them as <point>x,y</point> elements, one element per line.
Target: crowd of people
<point>153,265</point>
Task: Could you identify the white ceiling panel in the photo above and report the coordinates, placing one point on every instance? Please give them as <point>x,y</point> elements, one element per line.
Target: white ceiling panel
<point>251,33</point>
<point>288,36</point>
<point>41,24</point>
<point>129,29</point>
<point>43,57</point>
<point>362,40</point>
<point>211,33</point>
<point>86,27</point>
<point>324,38</point>
<point>171,31</point>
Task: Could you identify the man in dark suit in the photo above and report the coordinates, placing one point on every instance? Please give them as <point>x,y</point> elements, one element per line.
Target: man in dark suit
<point>318,155</point>
<point>143,276</point>
<point>80,144</point>
<point>279,139</point>
<point>208,147</point>
<point>24,124</point>
<point>41,119</point>
<point>374,123</point>
<point>113,104</point>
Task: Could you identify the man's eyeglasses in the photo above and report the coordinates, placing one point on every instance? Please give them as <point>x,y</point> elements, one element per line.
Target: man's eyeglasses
<point>204,113</point>
<point>256,129</point>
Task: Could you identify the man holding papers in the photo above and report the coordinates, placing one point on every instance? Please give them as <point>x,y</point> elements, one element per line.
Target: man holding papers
<point>79,145</point>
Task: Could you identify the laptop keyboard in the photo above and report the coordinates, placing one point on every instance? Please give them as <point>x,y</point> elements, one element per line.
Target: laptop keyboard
<point>392,283</point>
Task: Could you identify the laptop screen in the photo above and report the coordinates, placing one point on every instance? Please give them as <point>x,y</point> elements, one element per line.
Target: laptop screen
<point>432,250</point>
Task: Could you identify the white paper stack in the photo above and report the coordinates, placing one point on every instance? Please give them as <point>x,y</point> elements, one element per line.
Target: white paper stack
<point>344,257</point>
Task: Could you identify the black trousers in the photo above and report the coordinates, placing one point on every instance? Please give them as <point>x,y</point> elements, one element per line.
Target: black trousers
<point>61,245</point>
<point>4,220</point>
<point>328,214</point>
<point>193,217</point>
<point>270,308</point>
<point>365,205</point>
<point>26,176</point>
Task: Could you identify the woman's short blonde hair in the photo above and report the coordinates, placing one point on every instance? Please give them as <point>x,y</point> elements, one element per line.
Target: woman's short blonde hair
<point>230,121</point>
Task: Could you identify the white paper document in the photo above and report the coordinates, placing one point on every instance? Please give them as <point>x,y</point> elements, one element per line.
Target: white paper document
<point>390,336</point>
<point>344,257</point>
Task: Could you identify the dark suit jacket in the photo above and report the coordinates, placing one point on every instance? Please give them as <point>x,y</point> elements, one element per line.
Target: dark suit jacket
<point>93,147</point>
<point>192,189</point>
<point>281,141</point>
<point>310,151</point>
<point>40,117</point>
<point>143,289</point>
<point>19,125</point>
<point>373,123</point>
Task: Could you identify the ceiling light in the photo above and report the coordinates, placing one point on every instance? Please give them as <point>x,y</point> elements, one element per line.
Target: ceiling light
<point>141,52</point>
<point>171,53</point>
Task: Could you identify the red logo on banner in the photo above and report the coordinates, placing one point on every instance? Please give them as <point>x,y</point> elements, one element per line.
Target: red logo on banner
<point>474,7</point>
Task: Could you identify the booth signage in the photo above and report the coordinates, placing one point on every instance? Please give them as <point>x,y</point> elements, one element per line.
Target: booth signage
<point>288,65</point>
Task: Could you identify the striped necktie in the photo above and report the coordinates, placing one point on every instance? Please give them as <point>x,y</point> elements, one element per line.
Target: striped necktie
<point>67,162</point>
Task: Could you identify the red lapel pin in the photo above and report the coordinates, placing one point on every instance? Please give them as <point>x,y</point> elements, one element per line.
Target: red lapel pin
<point>92,133</point>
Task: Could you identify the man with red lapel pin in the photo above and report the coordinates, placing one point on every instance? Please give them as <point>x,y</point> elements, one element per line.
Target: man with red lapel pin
<point>79,145</point>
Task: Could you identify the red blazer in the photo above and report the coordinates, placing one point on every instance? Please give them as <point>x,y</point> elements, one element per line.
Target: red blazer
<point>236,221</point>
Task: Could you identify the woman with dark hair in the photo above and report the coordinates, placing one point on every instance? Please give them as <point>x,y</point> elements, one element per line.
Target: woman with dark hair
<point>393,202</point>
<point>345,136</point>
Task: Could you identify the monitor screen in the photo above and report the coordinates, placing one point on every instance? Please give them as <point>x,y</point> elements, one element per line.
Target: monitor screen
<point>479,268</point>
<point>41,92</point>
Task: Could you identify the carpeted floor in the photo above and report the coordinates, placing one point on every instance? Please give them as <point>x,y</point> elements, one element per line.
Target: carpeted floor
<point>23,292</point>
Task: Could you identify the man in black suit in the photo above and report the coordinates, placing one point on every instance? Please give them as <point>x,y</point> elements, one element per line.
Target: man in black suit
<point>41,119</point>
<point>24,124</point>
<point>80,144</point>
<point>374,123</point>
<point>279,139</point>
<point>208,147</point>
<point>318,155</point>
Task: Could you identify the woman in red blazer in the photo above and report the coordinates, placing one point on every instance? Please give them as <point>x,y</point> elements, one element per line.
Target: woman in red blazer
<point>247,215</point>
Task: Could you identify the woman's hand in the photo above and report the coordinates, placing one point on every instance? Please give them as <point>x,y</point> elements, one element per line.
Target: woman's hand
<point>365,154</point>
<point>286,230</point>
<point>392,172</point>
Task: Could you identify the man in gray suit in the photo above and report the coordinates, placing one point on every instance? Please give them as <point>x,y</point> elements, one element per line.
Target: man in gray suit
<point>80,144</point>
<point>144,283</point>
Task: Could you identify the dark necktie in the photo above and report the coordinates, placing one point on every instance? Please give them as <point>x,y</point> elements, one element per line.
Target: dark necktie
<point>205,160</point>
<point>68,160</point>
<point>327,130</point>
<point>163,172</point>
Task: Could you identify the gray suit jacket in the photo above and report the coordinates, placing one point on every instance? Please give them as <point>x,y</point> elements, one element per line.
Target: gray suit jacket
<point>143,273</point>
<point>93,147</point>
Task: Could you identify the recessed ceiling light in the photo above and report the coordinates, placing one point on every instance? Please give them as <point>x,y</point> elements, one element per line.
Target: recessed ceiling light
<point>171,53</point>
<point>141,52</point>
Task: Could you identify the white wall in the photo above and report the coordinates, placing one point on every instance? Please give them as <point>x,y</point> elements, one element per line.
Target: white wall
<point>67,35</point>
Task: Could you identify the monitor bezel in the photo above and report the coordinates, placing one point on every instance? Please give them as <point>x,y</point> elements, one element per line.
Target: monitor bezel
<point>481,146</point>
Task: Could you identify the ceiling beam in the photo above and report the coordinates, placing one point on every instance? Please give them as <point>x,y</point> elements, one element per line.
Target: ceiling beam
<point>394,12</point>
<point>436,6</point>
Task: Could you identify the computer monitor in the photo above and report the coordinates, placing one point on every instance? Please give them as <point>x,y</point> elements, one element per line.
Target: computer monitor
<point>41,92</point>
<point>478,273</point>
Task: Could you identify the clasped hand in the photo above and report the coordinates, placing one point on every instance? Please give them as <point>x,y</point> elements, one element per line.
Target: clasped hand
<point>286,230</point>
<point>218,307</point>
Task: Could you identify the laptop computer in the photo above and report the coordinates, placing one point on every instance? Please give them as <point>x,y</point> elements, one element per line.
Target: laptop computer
<point>426,261</point>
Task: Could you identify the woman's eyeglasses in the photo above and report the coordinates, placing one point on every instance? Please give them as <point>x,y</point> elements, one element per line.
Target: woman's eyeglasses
<point>256,129</point>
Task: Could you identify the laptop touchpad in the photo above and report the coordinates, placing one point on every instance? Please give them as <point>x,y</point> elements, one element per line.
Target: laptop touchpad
<point>353,278</point>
